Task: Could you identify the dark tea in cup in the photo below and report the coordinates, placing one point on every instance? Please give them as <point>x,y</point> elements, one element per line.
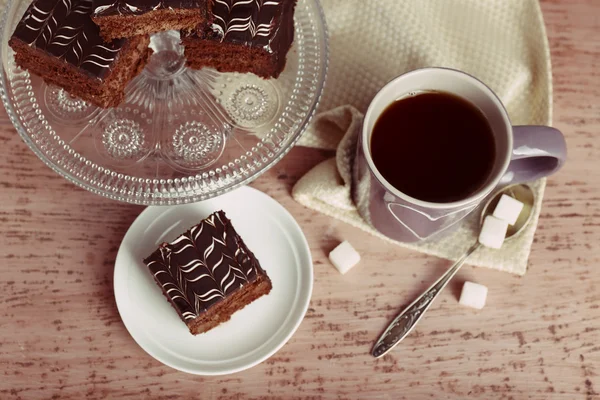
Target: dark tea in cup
<point>434,146</point>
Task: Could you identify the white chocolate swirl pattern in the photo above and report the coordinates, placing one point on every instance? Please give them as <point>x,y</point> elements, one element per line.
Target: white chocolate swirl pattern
<point>247,21</point>
<point>203,266</point>
<point>138,7</point>
<point>64,29</point>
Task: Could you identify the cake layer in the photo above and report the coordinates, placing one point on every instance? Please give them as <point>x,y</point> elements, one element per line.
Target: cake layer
<point>127,18</point>
<point>208,273</point>
<point>229,57</point>
<point>215,316</point>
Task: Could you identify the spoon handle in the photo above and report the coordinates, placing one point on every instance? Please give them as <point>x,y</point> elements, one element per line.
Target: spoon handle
<point>404,323</point>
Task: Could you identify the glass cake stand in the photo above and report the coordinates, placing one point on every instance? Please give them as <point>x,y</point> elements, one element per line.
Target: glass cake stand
<point>181,135</point>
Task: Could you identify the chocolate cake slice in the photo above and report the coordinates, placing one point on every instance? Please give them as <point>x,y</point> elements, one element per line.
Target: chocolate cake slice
<point>127,18</point>
<point>244,36</point>
<point>57,40</point>
<point>208,273</point>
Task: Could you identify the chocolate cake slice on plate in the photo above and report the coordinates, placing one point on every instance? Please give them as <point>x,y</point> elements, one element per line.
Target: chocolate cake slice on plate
<point>243,36</point>
<point>127,18</point>
<point>57,40</point>
<point>208,273</point>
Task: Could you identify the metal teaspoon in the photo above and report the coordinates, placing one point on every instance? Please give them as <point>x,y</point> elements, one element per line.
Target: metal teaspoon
<point>405,322</point>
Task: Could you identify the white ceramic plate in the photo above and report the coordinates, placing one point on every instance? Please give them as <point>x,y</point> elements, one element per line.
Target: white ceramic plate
<point>254,333</point>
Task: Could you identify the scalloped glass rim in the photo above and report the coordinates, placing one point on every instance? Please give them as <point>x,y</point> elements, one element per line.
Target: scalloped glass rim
<point>117,186</point>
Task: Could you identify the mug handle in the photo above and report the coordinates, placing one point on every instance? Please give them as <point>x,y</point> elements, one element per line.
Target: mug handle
<point>538,151</point>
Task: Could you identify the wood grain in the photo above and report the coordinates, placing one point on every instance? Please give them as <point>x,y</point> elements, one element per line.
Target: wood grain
<point>538,337</point>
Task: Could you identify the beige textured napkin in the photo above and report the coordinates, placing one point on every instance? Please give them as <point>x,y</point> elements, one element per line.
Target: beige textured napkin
<point>501,42</point>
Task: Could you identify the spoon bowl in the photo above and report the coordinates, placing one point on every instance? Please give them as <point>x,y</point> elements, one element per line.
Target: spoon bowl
<point>521,192</point>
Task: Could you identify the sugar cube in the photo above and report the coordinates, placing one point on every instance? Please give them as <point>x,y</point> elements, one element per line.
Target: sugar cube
<point>473,295</point>
<point>493,232</point>
<point>344,257</point>
<point>508,209</point>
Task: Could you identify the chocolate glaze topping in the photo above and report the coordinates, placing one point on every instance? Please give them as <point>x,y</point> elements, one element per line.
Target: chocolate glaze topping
<point>64,29</point>
<point>137,7</point>
<point>251,22</point>
<point>203,266</point>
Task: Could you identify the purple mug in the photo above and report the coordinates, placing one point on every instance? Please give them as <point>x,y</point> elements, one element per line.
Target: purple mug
<point>524,153</point>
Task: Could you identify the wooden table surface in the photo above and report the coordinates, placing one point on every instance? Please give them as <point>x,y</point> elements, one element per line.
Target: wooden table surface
<point>537,338</point>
